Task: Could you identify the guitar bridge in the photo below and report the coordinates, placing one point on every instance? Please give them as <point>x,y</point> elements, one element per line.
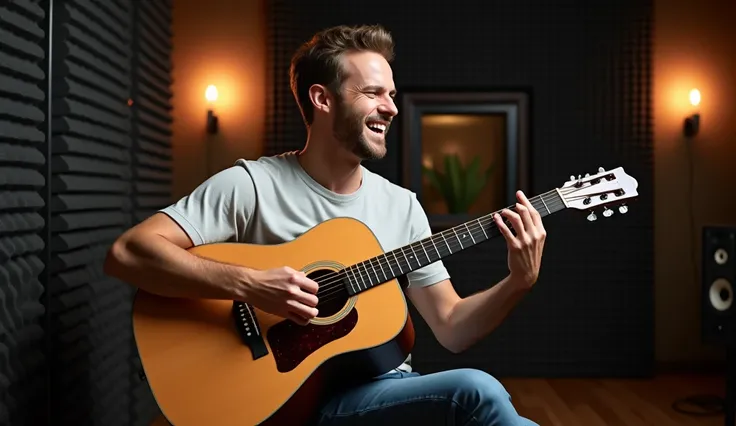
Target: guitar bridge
<point>249,330</point>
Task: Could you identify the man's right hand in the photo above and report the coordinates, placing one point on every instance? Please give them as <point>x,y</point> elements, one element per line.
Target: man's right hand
<point>284,292</point>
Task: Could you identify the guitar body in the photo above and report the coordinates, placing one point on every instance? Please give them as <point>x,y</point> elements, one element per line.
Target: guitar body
<point>204,369</point>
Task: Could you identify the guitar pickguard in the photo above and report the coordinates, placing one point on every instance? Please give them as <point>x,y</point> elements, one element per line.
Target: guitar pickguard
<point>292,343</point>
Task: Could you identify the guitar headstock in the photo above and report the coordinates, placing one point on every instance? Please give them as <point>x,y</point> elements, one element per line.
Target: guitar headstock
<point>603,189</point>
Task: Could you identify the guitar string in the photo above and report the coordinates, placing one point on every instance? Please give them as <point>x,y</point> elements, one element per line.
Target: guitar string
<point>334,280</point>
<point>326,286</point>
<point>330,285</point>
<point>333,287</point>
<point>339,288</point>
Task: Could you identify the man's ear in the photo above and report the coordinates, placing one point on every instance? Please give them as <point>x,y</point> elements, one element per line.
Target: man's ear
<point>320,97</point>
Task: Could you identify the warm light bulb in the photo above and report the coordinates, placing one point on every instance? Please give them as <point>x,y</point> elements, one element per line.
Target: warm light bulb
<point>211,93</point>
<point>695,97</point>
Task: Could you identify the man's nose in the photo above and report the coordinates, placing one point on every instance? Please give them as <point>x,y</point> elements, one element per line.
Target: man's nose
<point>389,108</point>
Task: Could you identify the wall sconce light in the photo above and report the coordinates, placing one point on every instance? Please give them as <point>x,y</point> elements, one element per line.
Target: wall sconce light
<point>211,95</point>
<point>692,122</point>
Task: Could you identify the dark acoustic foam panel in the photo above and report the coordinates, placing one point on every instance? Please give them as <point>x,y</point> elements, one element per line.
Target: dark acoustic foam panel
<point>587,69</point>
<point>85,153</point>
<point>151,143</point>
<point>152,108</point>
<point>91,205</point>
<point>23,107</point>
<point>285,129</point>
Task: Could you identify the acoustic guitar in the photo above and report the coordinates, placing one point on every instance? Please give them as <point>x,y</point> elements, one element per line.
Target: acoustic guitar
<point>218,362</point>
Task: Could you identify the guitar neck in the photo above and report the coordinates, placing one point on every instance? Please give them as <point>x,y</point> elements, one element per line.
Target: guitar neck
<point>399,262</point>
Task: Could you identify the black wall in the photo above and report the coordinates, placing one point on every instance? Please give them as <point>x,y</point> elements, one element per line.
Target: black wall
<point>86,153</point>
<point>587,68</point>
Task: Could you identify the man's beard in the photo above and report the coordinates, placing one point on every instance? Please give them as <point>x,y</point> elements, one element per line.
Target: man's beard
<point>349,129</point>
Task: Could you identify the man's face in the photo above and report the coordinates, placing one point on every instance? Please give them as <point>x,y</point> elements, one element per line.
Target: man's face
<point>365,107</point>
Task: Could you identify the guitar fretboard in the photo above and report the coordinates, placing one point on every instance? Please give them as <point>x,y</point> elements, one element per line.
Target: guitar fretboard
<point>396,263</point>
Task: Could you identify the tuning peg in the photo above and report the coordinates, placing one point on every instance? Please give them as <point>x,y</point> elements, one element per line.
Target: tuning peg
<point>587,175</point>
<point>601,170</point>
<point>572,178</point>
<point>623,208</point>
<point>592,217</point>
<point>607,212</point>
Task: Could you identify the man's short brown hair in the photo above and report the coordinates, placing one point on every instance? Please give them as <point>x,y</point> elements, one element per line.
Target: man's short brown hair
<point>318,61</point>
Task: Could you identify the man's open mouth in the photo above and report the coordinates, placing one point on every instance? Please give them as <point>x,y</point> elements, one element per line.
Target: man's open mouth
<point>379,128</point>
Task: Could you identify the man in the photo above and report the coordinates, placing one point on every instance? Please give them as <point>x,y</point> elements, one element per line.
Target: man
<point>344,86</point>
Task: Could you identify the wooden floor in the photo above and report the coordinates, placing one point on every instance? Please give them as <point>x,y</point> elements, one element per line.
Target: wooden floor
<point>609,402</point>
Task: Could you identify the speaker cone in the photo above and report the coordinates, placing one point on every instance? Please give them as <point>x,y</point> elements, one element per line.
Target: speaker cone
<point>721,256</point>
<point>721,294</point>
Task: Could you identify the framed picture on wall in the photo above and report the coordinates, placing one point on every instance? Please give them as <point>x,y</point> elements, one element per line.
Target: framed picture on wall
<point>465,153</point>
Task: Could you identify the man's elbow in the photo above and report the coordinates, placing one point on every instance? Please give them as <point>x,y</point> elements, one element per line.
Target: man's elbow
<point>454,349</point>
<point>453,346</point>
<point>114,260</point>
<point>449,340</point>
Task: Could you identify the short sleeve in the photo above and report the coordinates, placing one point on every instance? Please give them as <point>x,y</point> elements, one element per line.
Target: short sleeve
<point>434,272</point>
<point>219,209</point>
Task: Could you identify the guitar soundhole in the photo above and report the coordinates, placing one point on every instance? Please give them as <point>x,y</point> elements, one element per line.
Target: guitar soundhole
<point>292,343</point>
<point>332,294</point>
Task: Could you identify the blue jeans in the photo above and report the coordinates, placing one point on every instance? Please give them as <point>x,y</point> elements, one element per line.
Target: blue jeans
<point>462,397</point>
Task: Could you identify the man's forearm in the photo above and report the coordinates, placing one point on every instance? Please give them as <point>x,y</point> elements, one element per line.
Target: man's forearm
<point>476,316</point>
<point>158,266</point>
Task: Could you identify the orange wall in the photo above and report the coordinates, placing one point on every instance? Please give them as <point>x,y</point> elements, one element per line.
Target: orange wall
<point>695,46</point>
<point>223,43</point>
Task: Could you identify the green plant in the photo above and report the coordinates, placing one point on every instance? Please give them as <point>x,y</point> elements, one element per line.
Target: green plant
<point>459,186</point>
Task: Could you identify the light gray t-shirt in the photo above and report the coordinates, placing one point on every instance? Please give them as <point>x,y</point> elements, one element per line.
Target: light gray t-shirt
<point>273,200</point>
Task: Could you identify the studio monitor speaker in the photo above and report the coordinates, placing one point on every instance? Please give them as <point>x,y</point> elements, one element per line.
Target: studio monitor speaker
<point>718,283</point>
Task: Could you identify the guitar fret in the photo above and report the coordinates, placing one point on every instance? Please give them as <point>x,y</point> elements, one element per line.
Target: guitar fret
<point>458,238</point>
<point>357,281</point>
<point>425,252</point>
<point>541,197</point>
<point>373,267</point>
<point>471,234</point>
<point>408,260</point>
<point>361,278</point>
<point>446,243</point>
<point>352,285</point>
<point>382,271</point>
<point>388,262</point>
<point>416,259</point>
<point>482,228</point>
<point>408,264</point>
<point>439,256</point>
<point>397,262</point>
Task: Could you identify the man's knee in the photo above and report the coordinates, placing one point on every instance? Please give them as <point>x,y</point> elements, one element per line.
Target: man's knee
<point>478,384</point>
<point>484,399</point>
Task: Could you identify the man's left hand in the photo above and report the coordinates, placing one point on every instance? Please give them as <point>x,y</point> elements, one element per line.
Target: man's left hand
<point>525,248</point>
